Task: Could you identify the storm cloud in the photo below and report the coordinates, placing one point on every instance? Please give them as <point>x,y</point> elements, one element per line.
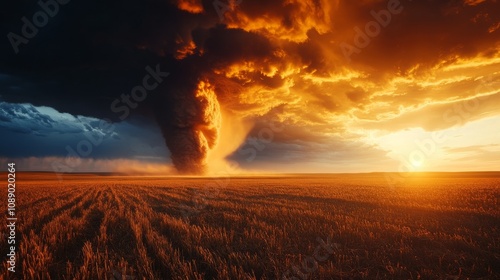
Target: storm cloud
<point>261,61</point>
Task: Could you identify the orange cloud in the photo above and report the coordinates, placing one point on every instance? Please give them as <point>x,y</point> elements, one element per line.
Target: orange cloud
<point>191,6</point>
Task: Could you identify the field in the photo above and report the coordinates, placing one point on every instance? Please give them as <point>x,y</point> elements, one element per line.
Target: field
<point>434,226</point>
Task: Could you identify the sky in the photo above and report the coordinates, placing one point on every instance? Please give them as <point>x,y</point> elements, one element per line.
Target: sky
<point>204,87</point>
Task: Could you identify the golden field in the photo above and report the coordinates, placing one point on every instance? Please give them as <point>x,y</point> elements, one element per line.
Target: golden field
<point>88,226</point>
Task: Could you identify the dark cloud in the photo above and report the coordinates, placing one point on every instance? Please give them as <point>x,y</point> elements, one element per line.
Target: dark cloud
<point>336,155</point>
<point>260,56</point>
<point>42,132</point>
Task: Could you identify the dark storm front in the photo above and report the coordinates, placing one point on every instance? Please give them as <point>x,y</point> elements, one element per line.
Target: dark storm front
<point>40,19</point>
<point>123,107</point>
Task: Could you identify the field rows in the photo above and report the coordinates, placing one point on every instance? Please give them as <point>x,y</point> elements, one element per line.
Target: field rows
<point>112,227</point>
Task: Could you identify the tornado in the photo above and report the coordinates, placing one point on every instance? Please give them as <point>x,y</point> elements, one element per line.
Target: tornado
<point>191,127</point>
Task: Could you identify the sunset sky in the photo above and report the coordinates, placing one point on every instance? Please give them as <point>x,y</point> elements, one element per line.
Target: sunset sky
<point>272,86</point>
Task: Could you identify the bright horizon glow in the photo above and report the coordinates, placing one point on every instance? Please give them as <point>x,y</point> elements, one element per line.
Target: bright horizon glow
<point>450,146</point>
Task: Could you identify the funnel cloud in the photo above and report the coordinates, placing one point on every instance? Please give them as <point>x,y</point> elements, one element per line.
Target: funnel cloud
<point>191,128</point>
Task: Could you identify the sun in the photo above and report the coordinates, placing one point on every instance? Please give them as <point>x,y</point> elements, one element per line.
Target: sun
<point>418,164</point>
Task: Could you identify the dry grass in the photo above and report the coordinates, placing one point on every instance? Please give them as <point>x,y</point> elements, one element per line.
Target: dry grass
<point>111,227</point>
